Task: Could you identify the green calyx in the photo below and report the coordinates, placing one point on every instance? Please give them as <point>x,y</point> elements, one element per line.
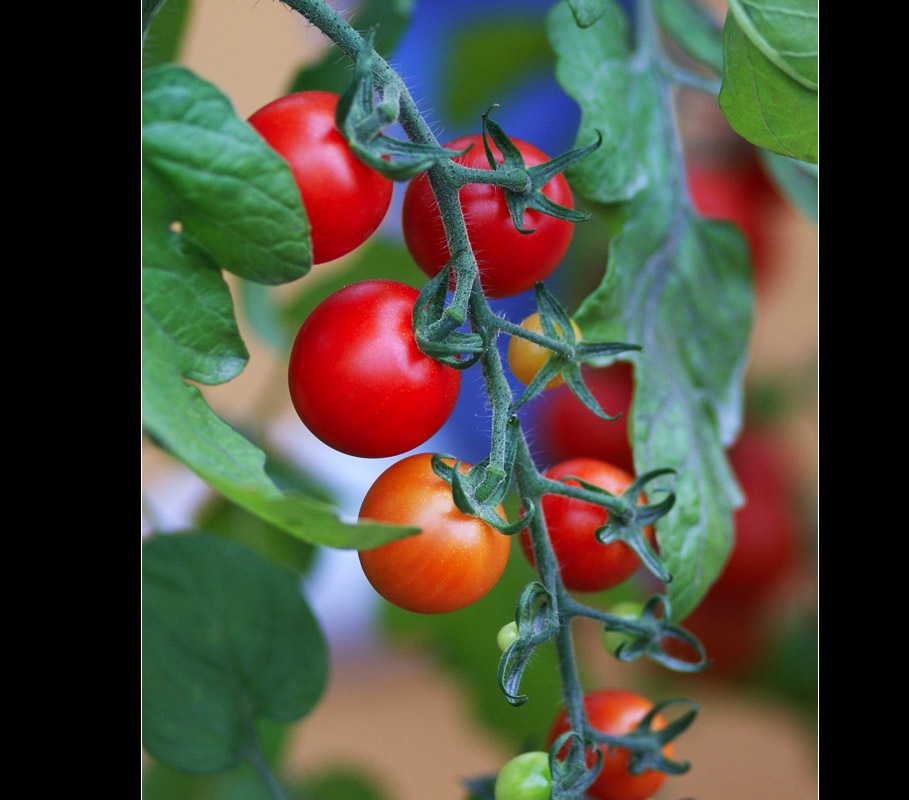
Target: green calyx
<point>360,120</point>
<point>632,630</point>
<point>536,622</point>
<point>646,743</point>
<point>567,352</point>
<point>522,185</point>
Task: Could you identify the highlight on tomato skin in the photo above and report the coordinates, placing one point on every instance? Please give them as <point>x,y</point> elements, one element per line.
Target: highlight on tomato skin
<point>301,128</point>
<point>455,559</point>
<point>509,262</point>
<point>357,379</point>
<point>616,712</point>
<point>585,564</point>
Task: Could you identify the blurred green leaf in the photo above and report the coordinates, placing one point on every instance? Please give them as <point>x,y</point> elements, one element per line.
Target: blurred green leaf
<point>277,321</point>
<point>676,284</point>
<point>770,92</point>
<point>465,644</point>
<point>227,639</point>
<point>232,522</point>
<point>236,524</point>
<point>165,26</point>
<point>488,58</point>
<point>380,258</point>
<point>586,12</point>
<point>694,30</point>
<point>789,668</point>
<point>343,783</point>
<point>796,179</point>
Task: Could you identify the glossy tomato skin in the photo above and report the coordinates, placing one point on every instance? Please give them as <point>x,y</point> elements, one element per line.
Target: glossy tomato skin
<point>345,200</point>
<point>509,262</point>
<point>585,564</point>
<point>357,379</point>
<point>617,712</point>
<point>566,428</point>
<point>451,563</point>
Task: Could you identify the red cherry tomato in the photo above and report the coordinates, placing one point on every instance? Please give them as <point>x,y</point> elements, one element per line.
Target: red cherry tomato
<point>731,621</point>
<point>566,428</point>
<point>451,563</point>
<point>509,262</point>
<point>766,530</point>
<point>357,379</point>
<point>616,712</point>
<point>730,632</point>
<point>739,193</point>
<point>584,564</point>
<point>345,200</point>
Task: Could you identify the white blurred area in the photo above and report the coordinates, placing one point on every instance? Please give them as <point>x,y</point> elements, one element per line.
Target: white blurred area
<point>335,587</point>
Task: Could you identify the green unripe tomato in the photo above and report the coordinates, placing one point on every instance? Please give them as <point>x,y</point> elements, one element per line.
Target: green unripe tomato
<point>507,634</point>
<point>629,610</point>
<point>525,777</point>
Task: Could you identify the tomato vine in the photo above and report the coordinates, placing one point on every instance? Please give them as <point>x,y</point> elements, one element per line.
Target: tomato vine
<point>480,489</point>
<point>455,328</point>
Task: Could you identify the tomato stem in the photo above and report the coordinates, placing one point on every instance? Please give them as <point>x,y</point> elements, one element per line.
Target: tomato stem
<point>509,452</point>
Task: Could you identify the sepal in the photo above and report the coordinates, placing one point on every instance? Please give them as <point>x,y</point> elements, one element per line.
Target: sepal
<point>571,775</point>
<point>650,642</point>
<point>646,744</point>
<point>530,194</point>
<point>537,620</point>
<point>629,526</point>
<point>435,323</point>
<point>360,120</point>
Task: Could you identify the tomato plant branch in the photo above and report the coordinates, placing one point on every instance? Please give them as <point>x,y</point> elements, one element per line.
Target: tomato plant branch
<point>509,453</point>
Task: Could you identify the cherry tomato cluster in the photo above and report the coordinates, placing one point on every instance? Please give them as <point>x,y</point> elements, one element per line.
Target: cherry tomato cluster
<point>356,376</point>
<point>360,383</point>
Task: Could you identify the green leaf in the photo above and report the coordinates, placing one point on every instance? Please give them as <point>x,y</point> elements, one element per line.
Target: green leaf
<point>230,191</point>
<point>165,33</point>
<point>785,31</point>
<point>227,639</point>
<point>694,30</point>
<point>185,297</point>
<point>796,179</point>
<point>675,284</point>
<point>176,416</point>
<point>769,91</point>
